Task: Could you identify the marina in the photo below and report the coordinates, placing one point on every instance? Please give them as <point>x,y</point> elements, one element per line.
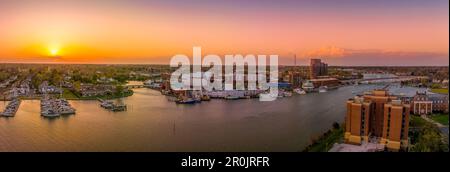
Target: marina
<point>51,107</point>
<point>11,108</point>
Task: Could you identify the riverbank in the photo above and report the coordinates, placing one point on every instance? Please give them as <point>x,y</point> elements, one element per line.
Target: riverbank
<point>69,95</point>
<point>327,140</point>
<point>424,135</point>
<point>128,93</point>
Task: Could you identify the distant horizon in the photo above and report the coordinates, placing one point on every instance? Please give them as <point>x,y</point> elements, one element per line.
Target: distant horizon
<point>37,63</point>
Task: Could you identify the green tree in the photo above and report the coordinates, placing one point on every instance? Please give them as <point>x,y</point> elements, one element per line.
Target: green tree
<point>119,89</point>
<point>77,85</point>
<point>56,79</point>
<point>429,140</point>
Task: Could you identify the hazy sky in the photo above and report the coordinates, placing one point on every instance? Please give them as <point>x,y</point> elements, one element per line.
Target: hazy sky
<point>344,32</point>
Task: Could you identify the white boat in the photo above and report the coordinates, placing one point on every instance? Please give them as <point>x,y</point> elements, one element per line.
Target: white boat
<point>323,89</point>
<point>231,97</point>
<point>67,111</point>
<point>107,104</point>
<point>186,101</point>
<point>308,86</point>
<point>49,113</point>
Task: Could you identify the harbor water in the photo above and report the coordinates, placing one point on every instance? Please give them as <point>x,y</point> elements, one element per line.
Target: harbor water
<point>152,123</point>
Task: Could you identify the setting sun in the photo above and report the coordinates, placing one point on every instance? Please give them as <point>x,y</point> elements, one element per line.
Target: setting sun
<point>54,52</point>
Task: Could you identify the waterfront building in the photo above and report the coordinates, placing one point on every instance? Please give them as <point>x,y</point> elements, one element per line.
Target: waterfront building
<point>395,125</point>
<point>421,105</point>
<point>378,76</point>
<point>325,81</point>
<point>293,77</point>
<point>88,90</point>
<point>439,103</point>
<point>377,117</point>
<point>357,123</point>
<point>45,88</point>
<point>426,104</point>
<point>378,98</point>
<point>317,68</point>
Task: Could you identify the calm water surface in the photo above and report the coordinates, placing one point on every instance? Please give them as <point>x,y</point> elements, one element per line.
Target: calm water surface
<point>152,123</point>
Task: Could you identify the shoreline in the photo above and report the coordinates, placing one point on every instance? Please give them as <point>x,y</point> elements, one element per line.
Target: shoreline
<point>131,93</point>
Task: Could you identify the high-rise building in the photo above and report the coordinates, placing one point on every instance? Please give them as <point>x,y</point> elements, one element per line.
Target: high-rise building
<point>395,125</point>
<point>378,99</point>
<point>356,121</point>
<point>377,116</point>
<point>317,68</point>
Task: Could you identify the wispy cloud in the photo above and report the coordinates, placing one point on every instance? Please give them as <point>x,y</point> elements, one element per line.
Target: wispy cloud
<point>327,52</point>
<point>373,57</point>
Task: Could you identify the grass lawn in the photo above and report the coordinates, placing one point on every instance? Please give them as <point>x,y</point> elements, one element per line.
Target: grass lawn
<point>416,121</point>
<point>107,97</point>
<point>116,96</point>
<point>440,90</point>
<point>441,118</point>
<point>67,94</point>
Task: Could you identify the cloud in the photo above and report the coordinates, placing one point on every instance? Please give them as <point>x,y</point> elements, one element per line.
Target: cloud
<point>373,57</point>
<point>328,52</point>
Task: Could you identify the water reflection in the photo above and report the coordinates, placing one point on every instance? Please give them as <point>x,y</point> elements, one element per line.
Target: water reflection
<point>152,123</point>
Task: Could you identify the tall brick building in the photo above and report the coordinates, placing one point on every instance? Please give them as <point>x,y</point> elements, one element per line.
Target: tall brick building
<point>377,116</point>
<point>317,68</point>
<point>426,104</point>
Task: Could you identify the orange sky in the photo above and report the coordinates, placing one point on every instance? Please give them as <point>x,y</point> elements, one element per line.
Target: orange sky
<point>141,32</point>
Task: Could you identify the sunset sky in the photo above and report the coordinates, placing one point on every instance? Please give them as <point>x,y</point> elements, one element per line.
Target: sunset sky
<point>344,32</point>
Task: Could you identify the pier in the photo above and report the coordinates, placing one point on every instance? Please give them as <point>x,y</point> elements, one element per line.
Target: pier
<point>110,105</point>
<point>11,108</point>
<point>56,107</point>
